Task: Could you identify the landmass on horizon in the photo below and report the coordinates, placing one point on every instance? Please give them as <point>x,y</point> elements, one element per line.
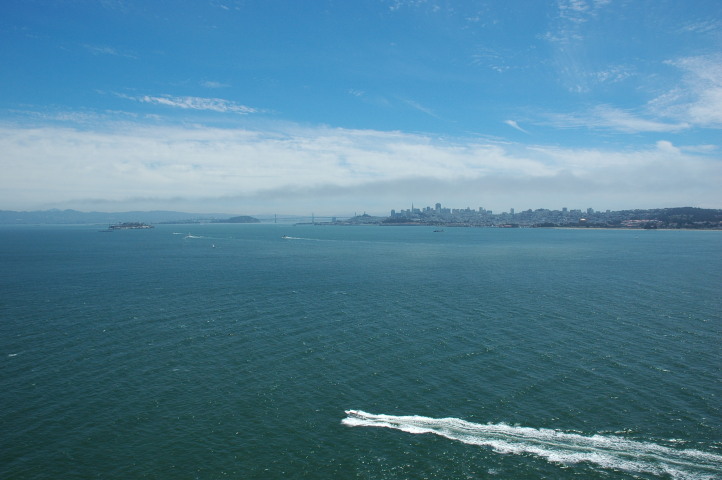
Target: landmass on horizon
<point>675,218</point>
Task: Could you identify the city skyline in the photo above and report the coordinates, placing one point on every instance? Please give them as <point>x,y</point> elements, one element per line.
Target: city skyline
<point>438,206</point>
<point>325,107</point>
<point>427,214</point>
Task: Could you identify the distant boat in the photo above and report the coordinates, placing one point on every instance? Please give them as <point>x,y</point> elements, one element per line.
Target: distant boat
<point>285,236</point>
<point>436,231</point>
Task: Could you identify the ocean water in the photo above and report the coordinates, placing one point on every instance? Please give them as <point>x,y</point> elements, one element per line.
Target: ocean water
<point>227,351</point>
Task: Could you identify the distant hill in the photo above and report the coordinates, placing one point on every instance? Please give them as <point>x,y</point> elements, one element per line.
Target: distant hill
<point>76,217</point>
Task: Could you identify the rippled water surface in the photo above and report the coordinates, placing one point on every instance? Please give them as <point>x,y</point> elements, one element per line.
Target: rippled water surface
<point>227,351</point>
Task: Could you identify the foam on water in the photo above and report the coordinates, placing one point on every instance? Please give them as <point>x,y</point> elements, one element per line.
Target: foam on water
<point>288,237</point>
<point>606,451</point>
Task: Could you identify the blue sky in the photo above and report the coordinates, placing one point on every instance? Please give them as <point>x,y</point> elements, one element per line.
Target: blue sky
<point>335,107</point>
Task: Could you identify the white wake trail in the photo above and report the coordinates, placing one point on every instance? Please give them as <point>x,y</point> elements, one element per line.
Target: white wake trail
<point>607,451</point>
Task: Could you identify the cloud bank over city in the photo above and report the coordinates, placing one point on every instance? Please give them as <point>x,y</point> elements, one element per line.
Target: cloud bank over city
<point>329,170</point>
<point>474,106</point>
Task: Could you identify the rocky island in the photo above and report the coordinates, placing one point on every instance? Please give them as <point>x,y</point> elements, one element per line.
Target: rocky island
<point>130,226</point>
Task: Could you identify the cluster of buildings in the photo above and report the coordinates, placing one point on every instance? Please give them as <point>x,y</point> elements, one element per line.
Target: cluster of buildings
<point>684,217</point>
<point>483,217</point>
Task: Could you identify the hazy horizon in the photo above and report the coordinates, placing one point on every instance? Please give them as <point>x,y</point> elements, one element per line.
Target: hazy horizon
<point>284,217</point>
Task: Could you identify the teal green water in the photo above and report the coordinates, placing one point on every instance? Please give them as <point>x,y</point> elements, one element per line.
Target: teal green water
<point>227,351</point>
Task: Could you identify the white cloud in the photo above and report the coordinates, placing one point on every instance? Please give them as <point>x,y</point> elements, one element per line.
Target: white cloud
<point>579,11</point>
<point>612,74</point>
<point>328,170</point>
<point>395,5</point>
<point>606,117</point>
<point>572,14</point>
<point>702,26</point>
<point>662,173</point>
<point>698,99</point>
<point>573,9</point>
<point>514,124</point>
<point>417,106</point>
<point>106,50</point>
<point>213,84</point>
<point>194,103</point>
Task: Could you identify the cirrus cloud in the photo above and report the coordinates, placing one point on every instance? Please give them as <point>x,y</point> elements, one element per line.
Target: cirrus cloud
<point>698,99</point>
<point>194,103</point>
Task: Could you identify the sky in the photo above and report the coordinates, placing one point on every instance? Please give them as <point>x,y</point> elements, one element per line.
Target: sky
<point>336,107</point>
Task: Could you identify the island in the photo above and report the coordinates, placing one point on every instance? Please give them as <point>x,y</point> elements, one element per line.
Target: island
<point>129,226</point>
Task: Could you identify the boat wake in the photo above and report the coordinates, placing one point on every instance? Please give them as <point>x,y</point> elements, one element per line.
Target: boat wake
<point>606,451</point>
<point>286,237</point>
